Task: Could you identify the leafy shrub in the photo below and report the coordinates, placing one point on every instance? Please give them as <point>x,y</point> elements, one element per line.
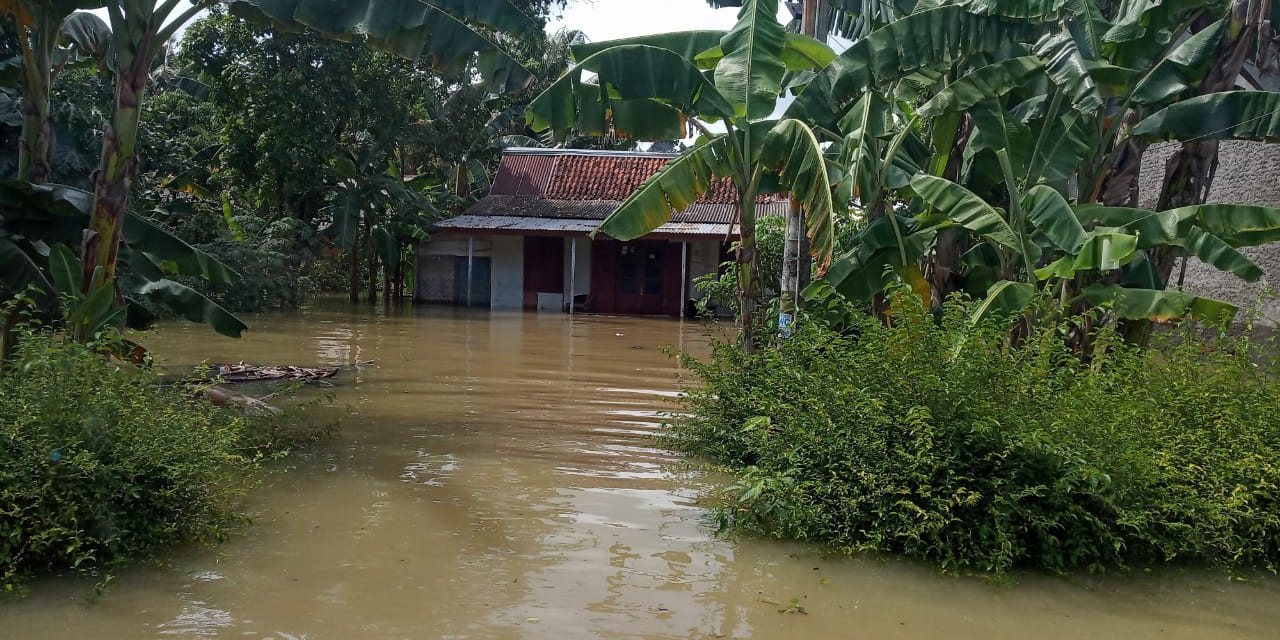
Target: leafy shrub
<point>101,464</point>
<point>939,441</point>
<point>719,290</point>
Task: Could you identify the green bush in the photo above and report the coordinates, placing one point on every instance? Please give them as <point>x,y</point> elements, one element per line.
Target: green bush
<point>101,464</point>
<point>937,440</point>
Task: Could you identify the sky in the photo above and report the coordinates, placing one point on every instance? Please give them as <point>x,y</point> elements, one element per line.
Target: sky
<point>613,19</point>
<point>610,19</point>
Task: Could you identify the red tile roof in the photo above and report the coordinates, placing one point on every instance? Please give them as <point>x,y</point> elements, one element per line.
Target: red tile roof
<point>577,175</point>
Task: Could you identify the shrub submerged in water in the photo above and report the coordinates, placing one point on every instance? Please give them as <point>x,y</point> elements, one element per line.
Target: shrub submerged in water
<point>938,441</point>
<point>101,464</point>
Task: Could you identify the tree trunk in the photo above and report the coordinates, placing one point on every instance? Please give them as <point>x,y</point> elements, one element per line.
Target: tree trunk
<point>399,278</point>
<point>35,147</point>
<point>1188,175</point>
<point>354,281</point>
<point>945,268</point>
<point>388,270</point>
<point>115,173</point>
<point>788,296</point>
<point>794,248</point>
<point>750,290</point>
<point>280,194</point>
<point>373,265</point>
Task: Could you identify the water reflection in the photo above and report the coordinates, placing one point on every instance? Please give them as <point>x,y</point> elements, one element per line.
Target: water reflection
<point>498,479</point>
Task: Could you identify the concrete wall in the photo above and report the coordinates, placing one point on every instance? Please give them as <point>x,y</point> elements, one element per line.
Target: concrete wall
<point>437,259</point>
<point>436,273</point>
<point>1248,173</point>
<point>704,258</point>
<point>507,278</point>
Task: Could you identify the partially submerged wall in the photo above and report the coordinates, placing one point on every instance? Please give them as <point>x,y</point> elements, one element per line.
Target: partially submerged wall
<point>1248,173</point>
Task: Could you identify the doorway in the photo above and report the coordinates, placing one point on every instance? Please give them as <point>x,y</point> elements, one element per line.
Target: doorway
<point>640,276</point>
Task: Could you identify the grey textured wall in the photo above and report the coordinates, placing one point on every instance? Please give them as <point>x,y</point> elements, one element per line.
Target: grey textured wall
<point>1248,173</point>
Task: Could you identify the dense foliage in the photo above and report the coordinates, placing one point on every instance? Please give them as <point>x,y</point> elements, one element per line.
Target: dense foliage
<point>101,464</point>
<point>940,441</point>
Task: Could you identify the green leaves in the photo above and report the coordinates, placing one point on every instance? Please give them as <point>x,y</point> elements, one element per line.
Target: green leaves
<point>1239,115</point>
<point>793,152</point>
<point>165,247</point>
<point>627,72</point>
<point>436,31</point>
<point>1159,306</point>
<point>1068,70</point>
<point>860,155</point>
<point>1213,250</point>
<point>673,188</point>
<point>687,44</point>
<point>933,39</point>
<point>1240,225</point>
<point>1050,214</point>
<point>1182,67</point>
<point>1003,299</point>
<point>967,209</point>
<point>193,306</point>
<point>750,74</point>
<point>985,83</point>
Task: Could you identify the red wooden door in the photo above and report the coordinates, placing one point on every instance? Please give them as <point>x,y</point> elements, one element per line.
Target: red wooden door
<point>640,270</point>
<point>543,267</point>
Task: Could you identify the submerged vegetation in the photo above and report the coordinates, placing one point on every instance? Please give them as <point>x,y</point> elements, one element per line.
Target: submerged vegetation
<point>940,440</point>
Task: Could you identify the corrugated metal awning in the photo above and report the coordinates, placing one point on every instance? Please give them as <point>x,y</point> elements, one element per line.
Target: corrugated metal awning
<point>572,226</point>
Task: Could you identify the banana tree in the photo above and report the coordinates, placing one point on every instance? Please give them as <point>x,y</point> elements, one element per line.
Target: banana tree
<point>39,222</point>
<point>654,87</point>
<point>1063,111</point>
<point>51,35</point>
<point>448,34</point>
<point>375,210</point>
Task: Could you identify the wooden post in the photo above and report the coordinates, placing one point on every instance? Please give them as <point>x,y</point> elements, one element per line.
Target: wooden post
<point>471,244</point>
<point>684,276</point>
<point>573,271</point>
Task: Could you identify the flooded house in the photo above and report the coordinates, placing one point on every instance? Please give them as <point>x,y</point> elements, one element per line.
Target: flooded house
<point>527,244</point>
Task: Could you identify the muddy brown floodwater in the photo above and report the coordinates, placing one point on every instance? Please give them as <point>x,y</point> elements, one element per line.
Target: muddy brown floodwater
<point>498,479</point>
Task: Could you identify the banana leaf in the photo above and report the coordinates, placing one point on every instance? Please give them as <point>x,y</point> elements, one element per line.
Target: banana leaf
<point>439,32</point>
<point>750,74</point>
<point>1159,306</point>
<point>1229,115</point>
<point>673,188</point>
<point>979,85</point>
<point>792,151</point>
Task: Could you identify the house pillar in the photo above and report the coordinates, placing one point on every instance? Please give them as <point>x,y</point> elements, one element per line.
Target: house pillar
<point>471,258</point>
<point>573,271</point>
<point>684,276</point>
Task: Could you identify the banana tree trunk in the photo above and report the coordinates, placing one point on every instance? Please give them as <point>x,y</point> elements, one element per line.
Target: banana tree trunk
<point>353,282</point>
<point>112,180</point>
<point>945,266</point>
<point>35,148</point>
<point>750,289</point>
<point>36,145</point>
<point>400,278</point>
<point>1188,175</point>
<point>388,271</point>
<point>372,291</point>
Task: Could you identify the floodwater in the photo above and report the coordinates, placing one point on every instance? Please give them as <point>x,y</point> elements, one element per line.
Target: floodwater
<point>498,479</point>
